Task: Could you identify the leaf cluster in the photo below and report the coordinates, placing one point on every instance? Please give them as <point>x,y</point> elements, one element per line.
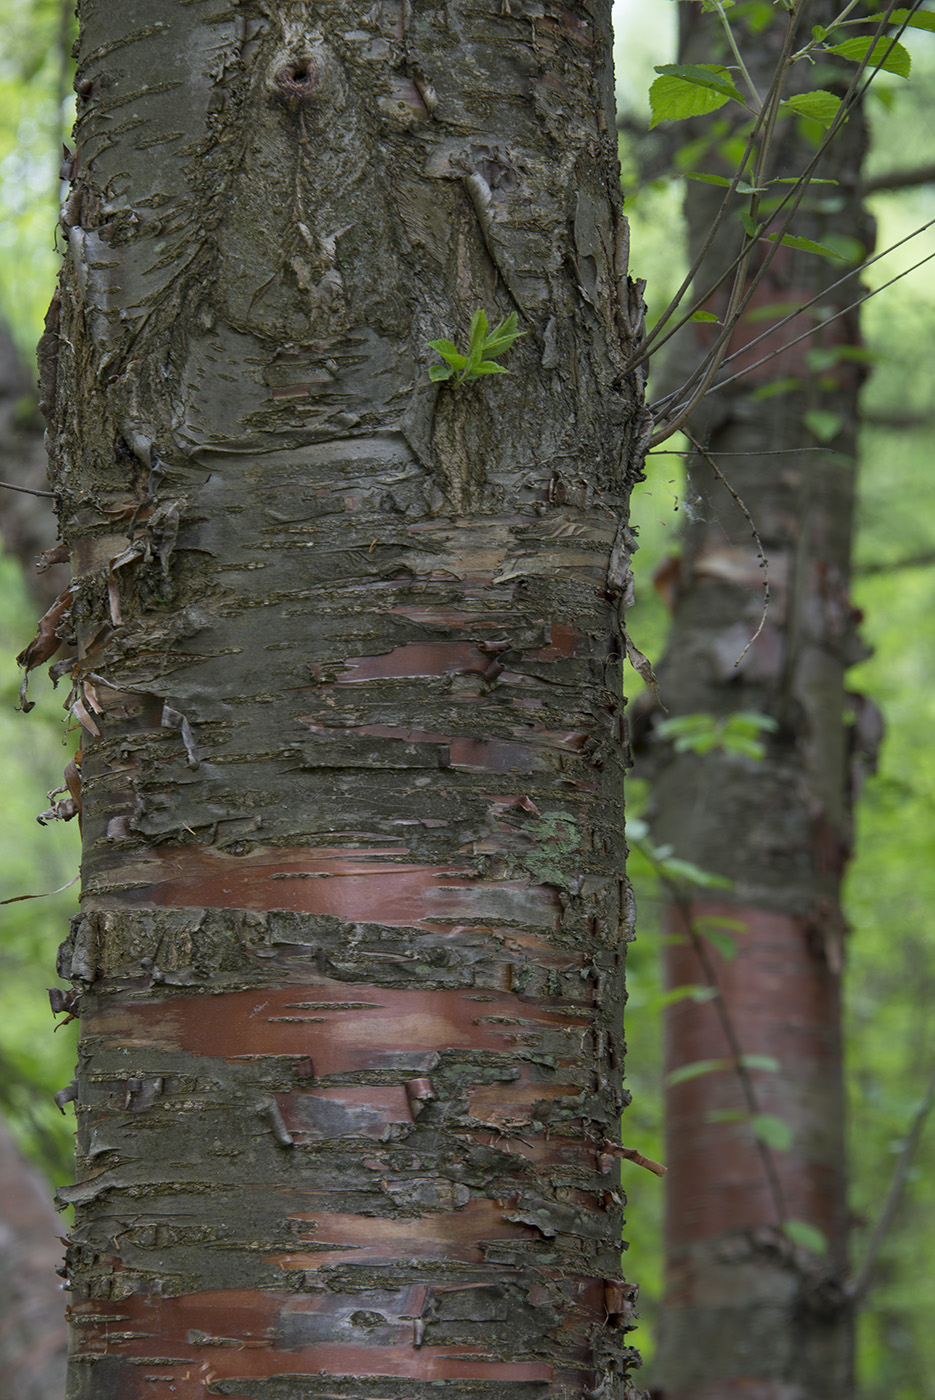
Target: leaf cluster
<point>485,346</point>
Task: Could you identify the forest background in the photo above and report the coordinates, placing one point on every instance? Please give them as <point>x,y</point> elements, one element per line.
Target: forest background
<point>891,886</point>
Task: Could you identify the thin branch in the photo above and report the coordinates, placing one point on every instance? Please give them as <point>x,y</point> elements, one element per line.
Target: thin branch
<point>761,552</point>
<point>812,329</point>
<point>725,23</point>
<point>748,1088</point>
<point>900,180</point>
<point>825,292</point>
<point>903,421</point>
<point>861,1282</point>
<point>923,560</point>
<point>796,194</point>
<point>740,296</point>
<point>27,490</point>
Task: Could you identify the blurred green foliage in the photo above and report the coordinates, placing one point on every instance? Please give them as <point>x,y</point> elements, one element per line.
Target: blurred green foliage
<point>35,1058</point>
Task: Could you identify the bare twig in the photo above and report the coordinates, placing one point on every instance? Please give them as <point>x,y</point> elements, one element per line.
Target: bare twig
<point>745,1079</point>
<point>26,490</point>
<point>860,1284</point>
<point>761,552</point>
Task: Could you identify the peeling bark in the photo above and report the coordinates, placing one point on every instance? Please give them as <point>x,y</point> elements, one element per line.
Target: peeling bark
<point>348,659</point>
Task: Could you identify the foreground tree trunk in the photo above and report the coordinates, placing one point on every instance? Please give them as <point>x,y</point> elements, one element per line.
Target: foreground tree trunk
<point>750,1311</point>
<point>348,666</point>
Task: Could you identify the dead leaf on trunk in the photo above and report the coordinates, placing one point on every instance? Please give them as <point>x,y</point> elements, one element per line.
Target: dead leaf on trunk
<point>45,643</point>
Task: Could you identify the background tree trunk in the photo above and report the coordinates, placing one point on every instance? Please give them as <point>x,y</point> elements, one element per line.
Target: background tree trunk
<point>33,1341</point>
<point>348,662</point>
<point>27,525</point>
<point>748,1311</point>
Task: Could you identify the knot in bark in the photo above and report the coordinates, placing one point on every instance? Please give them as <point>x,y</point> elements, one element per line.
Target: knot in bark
<point>307,78</point>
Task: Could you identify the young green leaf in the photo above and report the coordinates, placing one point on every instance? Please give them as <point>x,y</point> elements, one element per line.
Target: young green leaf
<point>502,337</point>
<point>775,1132</point>
<point>805,245</point>
<point>483,346</point>
<point>703,178</point>
<point>690,992</point>
<point>695,1070</point>
<point>765,1062</point>
<point>824,424</point>
<point>805,1235</point>
<point>478,328</point>
<point>449,352</point>
<point>487,367</point>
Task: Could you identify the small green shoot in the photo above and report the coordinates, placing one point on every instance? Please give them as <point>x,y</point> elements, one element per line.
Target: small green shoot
<point>483,350</point>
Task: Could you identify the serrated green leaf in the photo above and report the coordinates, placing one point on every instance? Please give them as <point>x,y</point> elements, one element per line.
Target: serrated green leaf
<point>478,328</point>
<point>805,245</point>
<point>505,330</point>
<point>437,372</point>
<point>769,1063</point>
<point>695,1071</point>
<point>920,19</point>
<point>449,353</point>
<point>488,367</point>
<point>775,1132</point>
<point>705,75</point>
<point>704,178</point>
<point>820,106</point>
<point>672,99</point>
<point>885,54</point>
<point>805,1235</point>
<point>500,340</point>
<point>445,347</point>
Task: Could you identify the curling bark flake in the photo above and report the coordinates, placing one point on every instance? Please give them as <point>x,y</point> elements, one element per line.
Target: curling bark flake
<point>348,659</point>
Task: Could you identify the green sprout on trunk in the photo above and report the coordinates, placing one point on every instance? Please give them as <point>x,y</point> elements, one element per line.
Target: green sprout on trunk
<point>483,350</point>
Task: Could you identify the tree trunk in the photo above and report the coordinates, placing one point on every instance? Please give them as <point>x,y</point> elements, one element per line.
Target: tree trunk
<point>32,1304</point>
<point>750,1311</point>
<point>348,665</point>
<point>27,526</point>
